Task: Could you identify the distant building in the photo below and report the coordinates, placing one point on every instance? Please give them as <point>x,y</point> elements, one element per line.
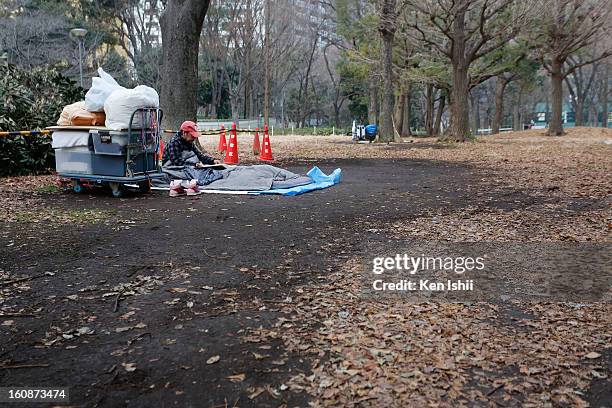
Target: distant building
<point>311,16</point>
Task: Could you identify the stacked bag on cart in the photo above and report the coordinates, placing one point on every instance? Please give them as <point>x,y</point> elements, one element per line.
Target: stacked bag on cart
<point>76,115</point>
<point>108,103</point>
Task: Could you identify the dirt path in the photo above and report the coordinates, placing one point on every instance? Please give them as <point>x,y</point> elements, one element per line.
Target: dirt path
<point>237,257</point>
<point>159,302</point>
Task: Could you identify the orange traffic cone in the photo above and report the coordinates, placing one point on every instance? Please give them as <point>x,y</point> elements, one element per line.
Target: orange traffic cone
<point>222,142</point>
<point>266,149</point>
<point>256,145</point>
<point>231,154</point>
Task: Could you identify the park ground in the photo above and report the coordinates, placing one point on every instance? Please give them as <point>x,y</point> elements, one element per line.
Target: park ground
<point>225,301</point>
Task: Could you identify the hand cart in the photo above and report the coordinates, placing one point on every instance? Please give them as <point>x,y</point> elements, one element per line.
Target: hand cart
<point>89,156</point>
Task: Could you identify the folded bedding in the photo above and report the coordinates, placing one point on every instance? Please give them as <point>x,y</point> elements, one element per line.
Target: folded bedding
<point>256,178</point>
<point>236,178</point>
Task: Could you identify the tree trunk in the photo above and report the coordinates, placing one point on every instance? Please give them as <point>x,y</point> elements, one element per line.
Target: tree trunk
<point>373,101</point>
<point>400,106</point>
<point>460,110</point>
<point>517,123</point>
<point>234,105</point>
<point>555,127</point>
<point>216,92</point>
<point>499,104</point>
<point>304,103</point>
<point>473,112</point>
<point>604,98</point>
<point>593,113</point>
<point>386,115</point>
<point>406,114</point>
<point>441,106</point>
<point>429,108</point>
<point>267,64</point>
<point>213,111</point>
<point>181,25</point>
<point>247,83</point>
<point>579,112</point>
<point>516,118</point>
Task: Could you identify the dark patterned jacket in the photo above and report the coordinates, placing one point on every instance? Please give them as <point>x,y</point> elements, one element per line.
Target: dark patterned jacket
<point>176,146</point>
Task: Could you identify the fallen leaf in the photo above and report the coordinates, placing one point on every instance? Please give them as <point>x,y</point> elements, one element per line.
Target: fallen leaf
<point>236,377</point>
<point>273,393</point>
<point>85,330</point>
<point>129,367</point>
<point>123,329</point>
<point>256,393</point>
<point>593,355</point>
<point>259,356</point>
<point>127,315</point>
<point>177,290</point>
<point>213,360</point>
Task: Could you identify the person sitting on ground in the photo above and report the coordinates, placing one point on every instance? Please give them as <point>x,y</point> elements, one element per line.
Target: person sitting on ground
<point>183,141</point>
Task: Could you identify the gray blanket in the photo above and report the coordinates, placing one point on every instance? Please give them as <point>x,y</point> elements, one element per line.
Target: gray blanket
<point>239,178</point>
<point>257,178</point>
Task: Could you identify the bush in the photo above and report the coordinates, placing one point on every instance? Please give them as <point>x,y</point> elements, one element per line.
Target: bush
<point>31,100</point>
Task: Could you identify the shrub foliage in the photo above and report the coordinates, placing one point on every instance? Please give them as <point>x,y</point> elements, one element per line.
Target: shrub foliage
<point>31,100</point>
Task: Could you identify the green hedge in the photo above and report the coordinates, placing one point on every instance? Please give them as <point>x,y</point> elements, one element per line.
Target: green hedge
<point>31,100</point>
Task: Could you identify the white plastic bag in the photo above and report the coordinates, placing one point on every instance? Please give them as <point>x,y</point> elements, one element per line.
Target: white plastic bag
<point>101,88</point>
<point>120,105</point>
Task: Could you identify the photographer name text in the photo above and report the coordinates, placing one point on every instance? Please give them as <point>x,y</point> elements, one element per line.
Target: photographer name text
<point>411,265</point>
<point>424,285</point>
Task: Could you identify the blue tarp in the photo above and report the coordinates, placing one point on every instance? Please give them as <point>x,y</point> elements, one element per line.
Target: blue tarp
<point>321,180</point>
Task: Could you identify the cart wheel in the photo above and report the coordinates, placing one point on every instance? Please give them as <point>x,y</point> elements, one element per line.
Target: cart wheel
<point>144,186</point>
<point>117,190</point>
<point>77,187</point>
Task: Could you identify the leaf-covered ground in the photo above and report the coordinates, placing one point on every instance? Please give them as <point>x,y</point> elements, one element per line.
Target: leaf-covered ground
<point>392,353</point>
<point>262,301</point>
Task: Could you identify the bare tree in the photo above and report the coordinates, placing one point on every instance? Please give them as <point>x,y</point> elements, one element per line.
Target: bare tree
<point>519,67</point>
<point>35,37</point>
<point>338,97</point>
<point>466,31</point>
<point>579,84</point>
<point>211,44</point>
<point>500,86</point>
<point>267,64</point>
<point>566,28</point>
<point>232,46</point>
<point>131,23</point>
<point>605,95</point>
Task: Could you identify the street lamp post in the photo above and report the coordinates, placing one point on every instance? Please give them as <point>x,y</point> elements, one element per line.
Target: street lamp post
<point>79,34</point>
